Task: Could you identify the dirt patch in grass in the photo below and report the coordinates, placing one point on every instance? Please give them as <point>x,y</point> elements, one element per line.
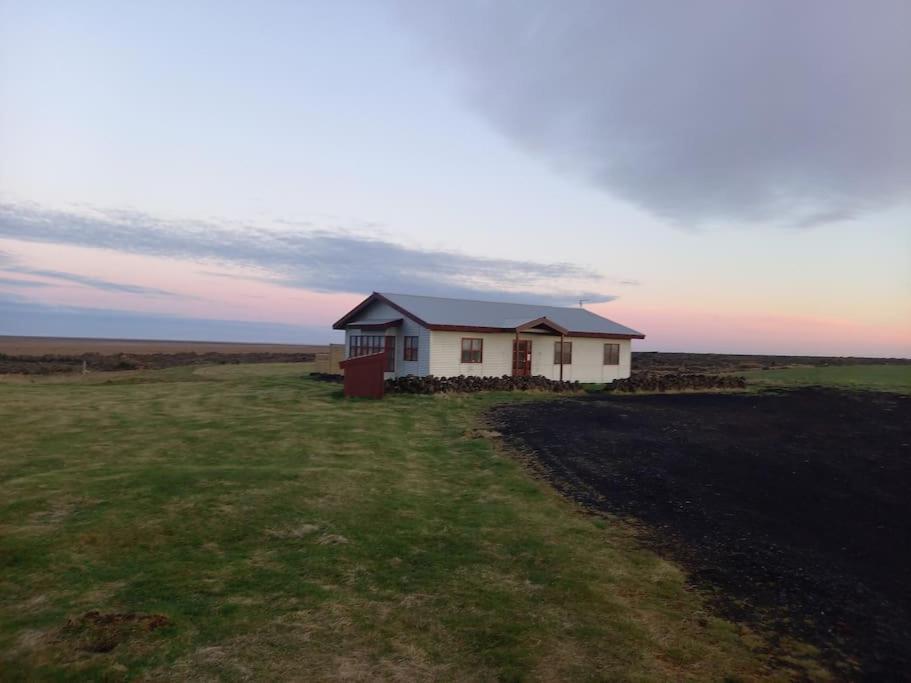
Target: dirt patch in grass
<point>102,632</point>
<point>482,434</point>
<point>294,532</point>
<point>60,510</point>
<point>792,508</point>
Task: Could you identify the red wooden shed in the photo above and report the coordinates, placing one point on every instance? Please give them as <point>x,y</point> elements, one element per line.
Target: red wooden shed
<point>364,375</point>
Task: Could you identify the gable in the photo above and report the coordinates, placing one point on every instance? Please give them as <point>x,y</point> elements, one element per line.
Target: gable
<point>375,308</point>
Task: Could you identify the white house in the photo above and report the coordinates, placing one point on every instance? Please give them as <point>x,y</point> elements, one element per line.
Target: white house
<point>425,335</point>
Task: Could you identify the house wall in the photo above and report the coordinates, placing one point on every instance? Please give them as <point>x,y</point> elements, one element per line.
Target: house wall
<point>587,362</point>
<point>409,328</point>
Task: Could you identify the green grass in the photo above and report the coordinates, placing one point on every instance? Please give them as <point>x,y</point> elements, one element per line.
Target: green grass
<point>895,378</point>
<point>289,533</point>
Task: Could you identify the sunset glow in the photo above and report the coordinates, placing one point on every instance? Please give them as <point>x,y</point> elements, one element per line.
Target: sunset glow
<point>264,200</point>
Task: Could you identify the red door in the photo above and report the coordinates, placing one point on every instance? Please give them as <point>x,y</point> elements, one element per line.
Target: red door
<point>521,357</point>
<point>390,354</point>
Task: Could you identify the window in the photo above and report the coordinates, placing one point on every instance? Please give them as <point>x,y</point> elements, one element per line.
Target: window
<point>364,345</point>
<point>472,350</point>
<point>612,354</point>
<point>410,349</point>
<point>567,348</point>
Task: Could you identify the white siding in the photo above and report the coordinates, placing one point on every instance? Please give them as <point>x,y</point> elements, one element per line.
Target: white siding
<point>446,354</point>
<point>587,361</point>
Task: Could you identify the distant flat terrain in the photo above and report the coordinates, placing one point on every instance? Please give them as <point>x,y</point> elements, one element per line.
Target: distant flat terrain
<point>62,356</point>
<point>40,346</point>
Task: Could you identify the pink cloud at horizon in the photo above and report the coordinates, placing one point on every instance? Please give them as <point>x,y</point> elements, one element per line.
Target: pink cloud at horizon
<point>682,329</point>
<point>205,290</point>
<point>213,291</point>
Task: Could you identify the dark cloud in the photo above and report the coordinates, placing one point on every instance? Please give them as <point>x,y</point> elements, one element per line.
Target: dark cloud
<point>21,317</point>
<point>700,111</point>
<point>12,265</point>
<point>93,282</point>
<point>16,282</point>
<point>309,259</point>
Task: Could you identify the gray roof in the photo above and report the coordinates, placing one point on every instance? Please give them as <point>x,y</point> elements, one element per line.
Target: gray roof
<point>439,311</point>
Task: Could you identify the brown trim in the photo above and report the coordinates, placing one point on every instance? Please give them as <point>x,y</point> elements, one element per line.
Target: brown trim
<point>562,339</point>
<point>470,351</point>
<point>341,322</point>
<point>468,328</point>
<point>345,362</point>
<point>390,352</point>
<point>409,347</point>
<point>605,335</point>
<point>543,321</point>
<point>521,362</point>
<point>604,354</point>
<point>375,296</point>
<point>560,356</point>
<point>569,333</point>
<point>356,344</point>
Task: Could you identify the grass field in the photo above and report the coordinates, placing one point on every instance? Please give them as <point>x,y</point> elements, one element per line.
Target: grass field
<point>282,531</point>
<point>876,377</point>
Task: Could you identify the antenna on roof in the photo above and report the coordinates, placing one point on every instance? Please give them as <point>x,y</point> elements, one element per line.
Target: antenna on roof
<point>582,301</point>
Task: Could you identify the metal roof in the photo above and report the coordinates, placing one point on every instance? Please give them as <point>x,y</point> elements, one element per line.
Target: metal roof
<point>437,311</point>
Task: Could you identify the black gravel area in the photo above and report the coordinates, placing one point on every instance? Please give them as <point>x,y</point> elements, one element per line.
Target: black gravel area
<point>792,509</point>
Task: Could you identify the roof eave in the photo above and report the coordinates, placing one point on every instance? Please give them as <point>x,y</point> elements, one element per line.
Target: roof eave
<point>543,321</point>
<point>607,335</point>
<point>568,333</point>
<point>341,322</point>
<point>375,296</point>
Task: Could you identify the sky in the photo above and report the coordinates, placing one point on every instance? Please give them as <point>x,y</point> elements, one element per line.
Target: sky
<point>725,176</point>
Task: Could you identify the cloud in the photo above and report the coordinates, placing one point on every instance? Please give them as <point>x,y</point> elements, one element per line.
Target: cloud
<point>25,318</point>
<point>12,265</point>
<point>93,282</point>
<point>16,282</point>
<point>316,260</point>
<point>796,113</point>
